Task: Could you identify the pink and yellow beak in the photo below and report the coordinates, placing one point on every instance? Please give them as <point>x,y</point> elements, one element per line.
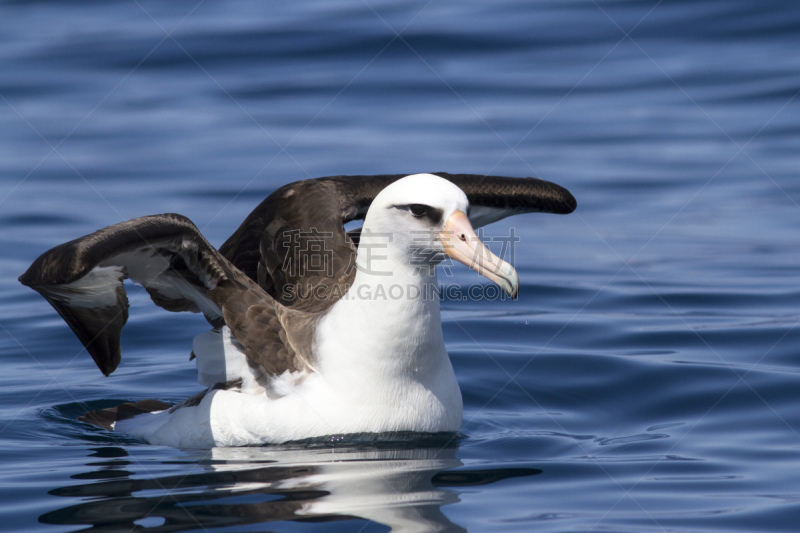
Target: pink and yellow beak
<point>462,244</point>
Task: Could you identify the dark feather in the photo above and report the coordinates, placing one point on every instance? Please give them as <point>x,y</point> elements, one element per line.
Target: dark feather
<point>275,243</point>
<point>259,280</point>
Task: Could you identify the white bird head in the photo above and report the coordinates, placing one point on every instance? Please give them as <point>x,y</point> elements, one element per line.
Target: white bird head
<point>418,219</point>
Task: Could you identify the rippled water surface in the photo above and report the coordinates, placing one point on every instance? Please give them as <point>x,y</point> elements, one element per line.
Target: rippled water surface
<point>647,379</point>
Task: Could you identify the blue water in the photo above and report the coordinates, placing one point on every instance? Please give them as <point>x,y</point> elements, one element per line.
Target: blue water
<point>647,379</point>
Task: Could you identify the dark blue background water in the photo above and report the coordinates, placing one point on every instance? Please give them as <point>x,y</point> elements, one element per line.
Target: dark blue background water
<point>646,380</point>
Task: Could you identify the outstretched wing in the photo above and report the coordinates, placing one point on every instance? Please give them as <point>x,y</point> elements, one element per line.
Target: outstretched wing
<point>295,236</point>
<point>83,280</point>
<point>295,246</point>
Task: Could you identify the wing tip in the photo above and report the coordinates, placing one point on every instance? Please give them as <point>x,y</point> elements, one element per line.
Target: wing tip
<point>555,198</point>
<point>58,265</point>
<point>33,276</point>
<point>106,362</point>
<point>567,203</point>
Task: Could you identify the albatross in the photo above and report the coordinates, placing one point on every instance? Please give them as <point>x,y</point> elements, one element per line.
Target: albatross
<point>316,330</point>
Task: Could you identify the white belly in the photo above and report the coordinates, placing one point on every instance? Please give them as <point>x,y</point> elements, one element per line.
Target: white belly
<point>297,406</point>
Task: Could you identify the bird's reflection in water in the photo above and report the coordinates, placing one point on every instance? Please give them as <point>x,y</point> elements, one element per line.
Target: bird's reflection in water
<point>403,487</point>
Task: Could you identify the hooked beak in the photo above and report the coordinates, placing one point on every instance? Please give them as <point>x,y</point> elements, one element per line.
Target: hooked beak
<point>462,244</point>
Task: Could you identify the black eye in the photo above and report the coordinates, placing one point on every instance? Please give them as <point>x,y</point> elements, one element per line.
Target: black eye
<point>418,210</point>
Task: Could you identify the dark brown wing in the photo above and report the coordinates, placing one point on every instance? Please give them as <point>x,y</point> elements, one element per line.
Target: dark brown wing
<point>295,246</point>
<point>83,281</point>
<point>276,338</point>
<point>288,261</point>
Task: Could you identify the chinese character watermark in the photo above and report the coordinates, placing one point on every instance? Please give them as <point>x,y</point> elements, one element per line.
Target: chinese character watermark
<point>308,251</point>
